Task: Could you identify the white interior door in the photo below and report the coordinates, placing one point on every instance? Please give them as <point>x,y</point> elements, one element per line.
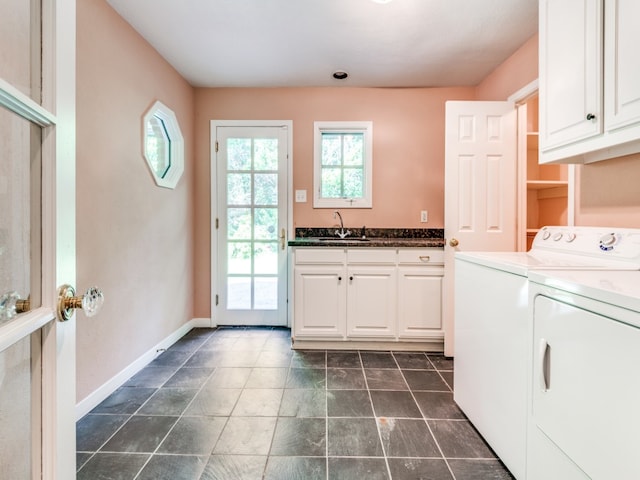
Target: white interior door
<point>249,268</point>
<point>37,238</point>
<point>480,187</point>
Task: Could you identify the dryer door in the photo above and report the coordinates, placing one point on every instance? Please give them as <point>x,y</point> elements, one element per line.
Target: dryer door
<point>585,388</point>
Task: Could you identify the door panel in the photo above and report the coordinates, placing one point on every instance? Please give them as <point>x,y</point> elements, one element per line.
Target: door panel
<point>37,238</point>
<point>252,220</point>
<point>480,187</point>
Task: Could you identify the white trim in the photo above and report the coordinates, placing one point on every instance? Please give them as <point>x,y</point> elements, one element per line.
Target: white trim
<point>97,396</point>
<point>19,103</point>
<point>176,141</point>
<point>525,92</point>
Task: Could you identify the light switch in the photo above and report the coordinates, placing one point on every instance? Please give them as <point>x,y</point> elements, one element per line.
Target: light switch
<point>301,196</point>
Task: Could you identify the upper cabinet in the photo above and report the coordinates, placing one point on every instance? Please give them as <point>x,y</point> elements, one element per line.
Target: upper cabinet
<point>589,80</point>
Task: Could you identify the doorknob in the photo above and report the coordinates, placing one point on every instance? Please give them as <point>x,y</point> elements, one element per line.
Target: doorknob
<point>283,237</point>
<point>90,303</point>
<point>453,242</point>
<point>11,305</point>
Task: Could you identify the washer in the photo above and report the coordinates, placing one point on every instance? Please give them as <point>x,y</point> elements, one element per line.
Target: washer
<point>492,297</point>
<point>584,331</point>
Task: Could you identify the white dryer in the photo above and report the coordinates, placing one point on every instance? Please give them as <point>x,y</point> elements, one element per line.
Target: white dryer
<point>584,332</point>
<point>491,301</point>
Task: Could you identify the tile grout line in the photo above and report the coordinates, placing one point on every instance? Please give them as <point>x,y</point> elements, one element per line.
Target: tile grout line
<point>425,420</point>
<point>375,418</point>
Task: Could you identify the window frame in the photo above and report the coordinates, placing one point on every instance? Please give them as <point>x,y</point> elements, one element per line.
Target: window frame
<point>363,127</point>
<point>169,121</point>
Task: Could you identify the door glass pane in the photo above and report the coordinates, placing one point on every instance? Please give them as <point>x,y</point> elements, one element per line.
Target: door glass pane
<point>239,293</point>
<point>19,409</point>
<point>252,223</point>
<point>20,38</point>
<point>239,154</point>
<point>266,154</point>
<point>266,258</point>
<point>266,289</point>
<point>20,205</point>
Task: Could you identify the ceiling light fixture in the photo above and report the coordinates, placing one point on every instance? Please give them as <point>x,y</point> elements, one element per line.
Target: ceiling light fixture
<point>340,75</point>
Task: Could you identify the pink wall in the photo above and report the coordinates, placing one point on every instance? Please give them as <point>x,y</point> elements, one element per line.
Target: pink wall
<point>408,153</point>
<point>608,193</point>
<point>134,239</point>
<point>517,71</point>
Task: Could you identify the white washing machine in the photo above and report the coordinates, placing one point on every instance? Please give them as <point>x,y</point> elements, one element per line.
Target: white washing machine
<point>584,330</point>
<point>491,301</point>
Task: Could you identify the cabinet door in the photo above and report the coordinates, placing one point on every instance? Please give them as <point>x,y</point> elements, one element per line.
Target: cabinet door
<point>622,63</point>
<point>371,301</point>
<point>571,33</point>
<point>319,303</point>
<point>419,301</point>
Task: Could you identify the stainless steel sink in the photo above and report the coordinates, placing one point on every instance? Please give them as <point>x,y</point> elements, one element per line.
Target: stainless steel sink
<point>346,239</point>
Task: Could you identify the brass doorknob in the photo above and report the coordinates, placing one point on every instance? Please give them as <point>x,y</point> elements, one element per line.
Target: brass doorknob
<point>90,303</point>
<point>453,242</point>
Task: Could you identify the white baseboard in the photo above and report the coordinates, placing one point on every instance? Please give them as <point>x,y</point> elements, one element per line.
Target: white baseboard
<point>93,399</point>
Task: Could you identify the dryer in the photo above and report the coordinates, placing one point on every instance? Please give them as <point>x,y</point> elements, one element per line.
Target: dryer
<point>584,331</point>
<point>491,303</point>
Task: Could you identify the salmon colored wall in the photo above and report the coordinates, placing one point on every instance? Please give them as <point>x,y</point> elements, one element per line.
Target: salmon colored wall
<point>608,193</point>
<point>517,71</point>
<point>134,239</point>
<point>408,153</point>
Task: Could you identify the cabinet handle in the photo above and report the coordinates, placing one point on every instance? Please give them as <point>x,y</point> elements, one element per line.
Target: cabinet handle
<point>590,116</point>
<point>339,279</point>
<point>424,258</point>
<point>351,278</point>
<point>543,351</point>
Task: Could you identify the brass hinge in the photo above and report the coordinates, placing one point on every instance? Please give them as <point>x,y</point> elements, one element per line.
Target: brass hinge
<point>217,223</point>
<point>216,299</point>
<point>216,146</point>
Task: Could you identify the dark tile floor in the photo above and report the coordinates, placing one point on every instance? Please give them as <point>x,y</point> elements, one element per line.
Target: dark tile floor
<point>238,403</point>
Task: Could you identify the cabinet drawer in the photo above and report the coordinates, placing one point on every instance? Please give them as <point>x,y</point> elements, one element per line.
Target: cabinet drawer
<point>371,256</point>
<point>319,255</point>
<point>415,256</point>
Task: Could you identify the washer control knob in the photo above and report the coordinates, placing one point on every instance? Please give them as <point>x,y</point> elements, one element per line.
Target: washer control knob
<point>570,237</point>
<point>608,240</point>
<point>546,235</point>
<point>557,236</point>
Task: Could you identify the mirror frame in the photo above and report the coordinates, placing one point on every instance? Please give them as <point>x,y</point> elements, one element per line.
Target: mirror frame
<point>176,145</point>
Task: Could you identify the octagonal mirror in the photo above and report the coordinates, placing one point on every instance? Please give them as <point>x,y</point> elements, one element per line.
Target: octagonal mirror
<point>163,145</point>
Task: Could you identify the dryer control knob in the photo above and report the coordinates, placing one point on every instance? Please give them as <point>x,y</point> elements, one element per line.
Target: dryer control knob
<point>570,237</point>
<point>546,235</point>
<point>608,239</point>
<point>557,236</point>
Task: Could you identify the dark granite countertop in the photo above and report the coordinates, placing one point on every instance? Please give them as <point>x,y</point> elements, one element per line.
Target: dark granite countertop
<point>374,238</point>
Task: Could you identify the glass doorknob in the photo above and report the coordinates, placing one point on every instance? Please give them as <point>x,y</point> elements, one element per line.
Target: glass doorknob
<point>90,303</point>
<point>11,305</point>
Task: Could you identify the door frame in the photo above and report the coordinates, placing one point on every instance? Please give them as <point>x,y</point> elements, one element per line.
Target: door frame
<point>214,201</point>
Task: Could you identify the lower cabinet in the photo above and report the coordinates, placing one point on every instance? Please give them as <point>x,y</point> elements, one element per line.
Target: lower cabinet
<point>367,294</point>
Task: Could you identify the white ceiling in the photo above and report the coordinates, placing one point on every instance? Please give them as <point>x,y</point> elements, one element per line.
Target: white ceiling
<point>282,43</point>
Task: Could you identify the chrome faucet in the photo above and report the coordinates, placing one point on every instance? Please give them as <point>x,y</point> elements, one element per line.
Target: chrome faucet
<point>341,233</point>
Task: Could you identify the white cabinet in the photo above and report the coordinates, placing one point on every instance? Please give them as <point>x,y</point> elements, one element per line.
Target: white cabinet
<point>367,293</point>
<point>589,80</point>
<point>320,277</point>
<point>420,276</point>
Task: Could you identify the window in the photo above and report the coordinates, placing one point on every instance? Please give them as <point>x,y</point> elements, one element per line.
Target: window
<point>163,145</point>
<point>342,165</point>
